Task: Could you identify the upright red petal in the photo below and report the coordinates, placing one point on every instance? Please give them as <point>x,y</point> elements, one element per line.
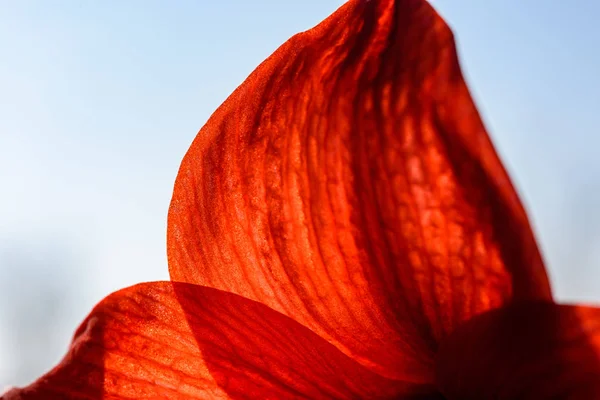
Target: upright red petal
<point>527,351</point>
<point>137,344</point>
<point>349,183</point>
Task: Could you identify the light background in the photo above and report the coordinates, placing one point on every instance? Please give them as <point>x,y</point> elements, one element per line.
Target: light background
<point>99,101</point>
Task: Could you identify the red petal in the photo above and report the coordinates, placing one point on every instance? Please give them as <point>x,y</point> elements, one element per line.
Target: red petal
<point>530,351</point>
<point>136,344</point>
<point>349,183</point>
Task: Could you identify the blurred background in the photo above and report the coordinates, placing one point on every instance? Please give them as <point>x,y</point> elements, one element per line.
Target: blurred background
<point>99,100</point>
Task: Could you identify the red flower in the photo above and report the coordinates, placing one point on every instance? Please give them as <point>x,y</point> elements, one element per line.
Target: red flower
<point>342,228</point>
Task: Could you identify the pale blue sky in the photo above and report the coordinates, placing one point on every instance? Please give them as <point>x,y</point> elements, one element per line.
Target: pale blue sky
<point>99,101</point>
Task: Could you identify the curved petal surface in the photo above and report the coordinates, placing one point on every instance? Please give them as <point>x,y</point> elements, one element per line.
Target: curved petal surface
<point>529,351</point>
<point>138,344</point>
<point>349,183</point>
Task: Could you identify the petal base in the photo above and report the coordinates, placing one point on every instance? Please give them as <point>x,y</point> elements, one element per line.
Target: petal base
<point>527,351</point>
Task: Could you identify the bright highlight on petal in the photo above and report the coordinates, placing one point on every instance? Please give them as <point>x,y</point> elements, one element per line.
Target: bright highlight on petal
<point>135,344</point>
<point>350,184</point>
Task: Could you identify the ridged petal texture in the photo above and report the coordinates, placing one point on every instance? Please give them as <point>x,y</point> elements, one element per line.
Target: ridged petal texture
<point>527,351</point>
<point>349,184</point>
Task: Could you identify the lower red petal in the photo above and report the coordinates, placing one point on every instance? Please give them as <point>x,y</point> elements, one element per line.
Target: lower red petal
<point>527,351</point>
<point>138,343</point>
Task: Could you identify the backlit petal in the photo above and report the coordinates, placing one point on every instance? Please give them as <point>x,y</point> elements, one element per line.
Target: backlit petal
<point>530,351</point>
<point>137,344</point>
<point>349,183</point>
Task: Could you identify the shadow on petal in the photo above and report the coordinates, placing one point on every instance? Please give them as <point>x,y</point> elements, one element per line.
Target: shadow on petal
<point>253,351</point>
